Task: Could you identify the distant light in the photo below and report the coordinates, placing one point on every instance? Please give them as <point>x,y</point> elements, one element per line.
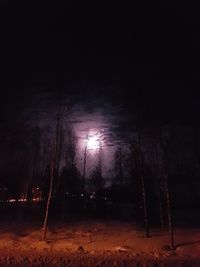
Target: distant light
<point>22,200</point>
<point>37,199</point>
<point>11,200</point>
<point>92,197</point>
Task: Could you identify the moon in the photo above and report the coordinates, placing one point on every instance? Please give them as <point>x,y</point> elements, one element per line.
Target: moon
<point>93,142</point>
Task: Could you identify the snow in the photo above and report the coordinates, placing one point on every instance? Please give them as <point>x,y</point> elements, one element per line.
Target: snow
<point>22,242</point>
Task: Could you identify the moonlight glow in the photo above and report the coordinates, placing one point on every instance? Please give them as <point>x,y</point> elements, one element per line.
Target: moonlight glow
<point>93,142</point>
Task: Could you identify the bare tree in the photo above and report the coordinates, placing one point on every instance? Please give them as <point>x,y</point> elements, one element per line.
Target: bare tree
<point>96,180</point>
<point>163,144</point>
<point>52,173</point>
<point>157,167</point>
<point>140,162</point>
<point>70,177</point>
<point>118,167</point>
<point>84,165</point>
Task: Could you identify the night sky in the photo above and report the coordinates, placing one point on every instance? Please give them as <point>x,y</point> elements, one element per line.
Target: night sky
<point>110,59</point>
<point>125,73</point>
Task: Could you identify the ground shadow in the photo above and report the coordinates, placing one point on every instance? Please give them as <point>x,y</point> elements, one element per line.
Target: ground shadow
<point>187,243</point>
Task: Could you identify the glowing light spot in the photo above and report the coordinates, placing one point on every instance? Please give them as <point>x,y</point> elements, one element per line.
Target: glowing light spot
<point>93,142</point>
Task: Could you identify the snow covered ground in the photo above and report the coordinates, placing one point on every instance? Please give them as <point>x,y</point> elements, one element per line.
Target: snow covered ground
<point>21,244</point>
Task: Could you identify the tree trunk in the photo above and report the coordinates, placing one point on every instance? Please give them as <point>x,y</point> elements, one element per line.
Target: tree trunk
<point>48,201</point>
<point>84,167</point>
<point>169,213</point>
<point>159,188</point>
<point>147,232</point>
<point>160,209</point>
<point>146,219</point>
<point>52,175</point>
<point>167,194</point>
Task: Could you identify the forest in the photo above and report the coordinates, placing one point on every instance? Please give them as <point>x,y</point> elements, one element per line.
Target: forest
<point>150,179</point>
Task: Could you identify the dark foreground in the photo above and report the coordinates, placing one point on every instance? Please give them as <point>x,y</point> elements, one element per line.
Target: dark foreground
<point>82,259</point>
<point>96,243</point>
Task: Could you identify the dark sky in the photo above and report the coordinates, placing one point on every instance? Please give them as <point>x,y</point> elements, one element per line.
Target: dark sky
<point>136,53</point>
<point>109,60</point>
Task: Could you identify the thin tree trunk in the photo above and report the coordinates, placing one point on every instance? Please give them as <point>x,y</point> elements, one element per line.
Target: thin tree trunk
<point>160,209</point>
<point>63,203</point>
<point>48,201</point>
<point>168,199</point>
<point>159,189</point>
<point>52,175</point>
<point>146,220</point>
<point>120,167</point>
<point>84,167</point>
<point>169,213</point>
<point>58,154</point>
<point>147,232</point>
